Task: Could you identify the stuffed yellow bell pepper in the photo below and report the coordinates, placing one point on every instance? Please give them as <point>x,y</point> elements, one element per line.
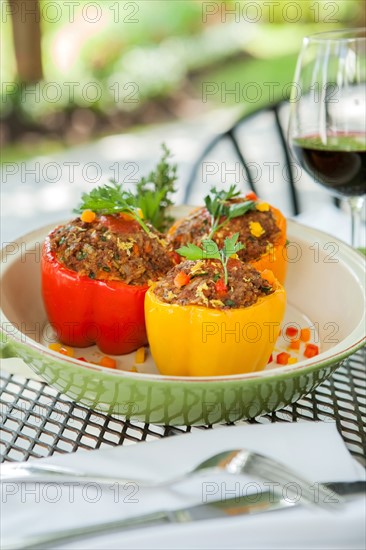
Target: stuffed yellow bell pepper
<point>213,315</point>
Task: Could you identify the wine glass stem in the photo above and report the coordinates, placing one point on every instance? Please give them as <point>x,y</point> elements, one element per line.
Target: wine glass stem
<point>356,204</point>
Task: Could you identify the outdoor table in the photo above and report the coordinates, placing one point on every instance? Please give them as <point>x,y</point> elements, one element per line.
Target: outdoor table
<point>37,421</point>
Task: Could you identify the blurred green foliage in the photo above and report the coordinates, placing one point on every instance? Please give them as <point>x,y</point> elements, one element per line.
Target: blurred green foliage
<point>146,50</point>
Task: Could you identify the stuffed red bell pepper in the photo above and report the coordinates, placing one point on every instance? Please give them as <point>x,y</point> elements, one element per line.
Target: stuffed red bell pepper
<point>94,278</point>
<point>96,269</point>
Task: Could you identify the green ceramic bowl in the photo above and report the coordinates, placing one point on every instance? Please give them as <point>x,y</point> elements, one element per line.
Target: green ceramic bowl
<point>325,289</point>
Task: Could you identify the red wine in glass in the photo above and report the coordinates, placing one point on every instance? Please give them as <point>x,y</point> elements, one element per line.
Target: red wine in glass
<point>339,165</point>
<point>327,130</point>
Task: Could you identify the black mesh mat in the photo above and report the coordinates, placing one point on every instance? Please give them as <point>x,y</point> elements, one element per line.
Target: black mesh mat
<point>37,421</point>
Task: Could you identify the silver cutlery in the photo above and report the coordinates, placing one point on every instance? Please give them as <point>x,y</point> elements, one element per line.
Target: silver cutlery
<point>242,505</point>
<point>236,462</point>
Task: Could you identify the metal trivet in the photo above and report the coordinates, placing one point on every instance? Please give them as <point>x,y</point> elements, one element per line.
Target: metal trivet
<point>38,421</point>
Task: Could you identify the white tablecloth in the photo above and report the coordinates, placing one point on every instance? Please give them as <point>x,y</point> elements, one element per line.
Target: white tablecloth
<point>314,449</point>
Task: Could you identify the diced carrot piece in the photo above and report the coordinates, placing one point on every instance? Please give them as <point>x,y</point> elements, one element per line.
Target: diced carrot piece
<point>282,358</point>
<point>107,362</point>
<point>136,250</point>
<point>294,344</point>
<point>292,332</point>
<point>140,356</point>
<point>311,350</point>
<point>88,216</point>
<point>66,350</point>
<point>181,279</point>
<point>305,334</point>
<point>55,346</point>
<point>251,196</point>
<point>292,361</point>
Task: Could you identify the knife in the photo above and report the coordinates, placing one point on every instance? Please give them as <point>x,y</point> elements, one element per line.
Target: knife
<point>241,505</point>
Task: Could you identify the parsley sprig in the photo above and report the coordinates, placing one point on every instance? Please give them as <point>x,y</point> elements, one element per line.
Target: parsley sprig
<point>154,192</point>
<point>151,199</point>
<point>210,251</point>
<point>111,199</point>
<point>217,204</point>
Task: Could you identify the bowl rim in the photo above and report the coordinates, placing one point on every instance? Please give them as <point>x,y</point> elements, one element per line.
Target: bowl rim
<point>331,356</point>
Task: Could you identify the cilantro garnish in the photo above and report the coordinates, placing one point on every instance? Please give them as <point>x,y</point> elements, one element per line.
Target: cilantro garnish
<point>210,251</point>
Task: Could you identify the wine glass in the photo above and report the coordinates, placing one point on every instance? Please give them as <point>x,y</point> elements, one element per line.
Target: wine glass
<point>327,130</point>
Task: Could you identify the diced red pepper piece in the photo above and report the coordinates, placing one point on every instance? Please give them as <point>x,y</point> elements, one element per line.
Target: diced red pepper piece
<point>282,358</point>
<point>311,350</point>
<point>82,359</point>
<point>177,258</point>
<point>270,358</point>
<point>251,196</point>
<point>221,287</point>
<point>181,279</point>
<point>292,332</point>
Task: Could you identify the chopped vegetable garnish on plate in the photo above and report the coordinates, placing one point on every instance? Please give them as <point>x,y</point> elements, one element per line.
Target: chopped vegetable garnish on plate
<point>291,331</point>
<point>311,350</point>
<point>305,334</point>
<point>294,344</point>
<point>107,362</point>
<point>283,358</point>
<point>140,356</point>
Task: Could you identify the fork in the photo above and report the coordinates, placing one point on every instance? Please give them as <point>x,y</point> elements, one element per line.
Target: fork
<point>235,462</point>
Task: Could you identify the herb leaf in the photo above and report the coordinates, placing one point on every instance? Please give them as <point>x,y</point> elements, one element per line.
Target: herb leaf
<point>217,204</point>
<point>210,251</point>
<point>152,196</point>
<point>111,199</point>
<point>153,193</point>
<point>191,252</point>
<point>231,246</point>
<point>106,199</point>
<point>240,208</point>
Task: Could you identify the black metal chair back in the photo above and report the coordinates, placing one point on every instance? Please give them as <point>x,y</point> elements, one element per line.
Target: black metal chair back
<point>256,157</point>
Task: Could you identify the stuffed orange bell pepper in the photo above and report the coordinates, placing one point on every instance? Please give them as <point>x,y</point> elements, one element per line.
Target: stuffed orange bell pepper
<point>213,315</point>
<point>95,274</point>
<point>261,228</point>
